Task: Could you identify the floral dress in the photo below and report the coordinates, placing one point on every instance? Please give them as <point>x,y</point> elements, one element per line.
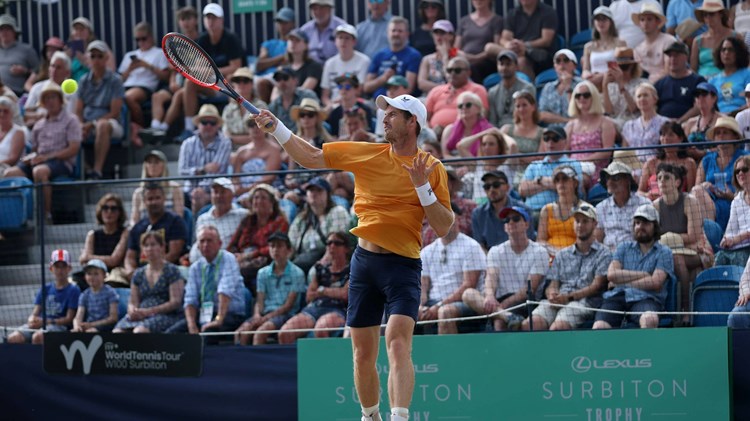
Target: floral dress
<point>154,296</point>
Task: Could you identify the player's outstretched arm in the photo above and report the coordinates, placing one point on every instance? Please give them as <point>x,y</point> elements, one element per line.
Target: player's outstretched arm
<point>301,151</point>
<point>439,217</point>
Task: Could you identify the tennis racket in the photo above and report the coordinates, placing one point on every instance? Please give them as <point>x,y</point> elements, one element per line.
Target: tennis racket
<point>198,67</point>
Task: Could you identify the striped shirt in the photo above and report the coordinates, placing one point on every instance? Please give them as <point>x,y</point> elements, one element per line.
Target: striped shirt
<point>194,156</point>
<point>52,134</point>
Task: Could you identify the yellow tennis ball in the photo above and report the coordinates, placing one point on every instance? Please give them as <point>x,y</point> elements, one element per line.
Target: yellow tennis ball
<point>69,86</point>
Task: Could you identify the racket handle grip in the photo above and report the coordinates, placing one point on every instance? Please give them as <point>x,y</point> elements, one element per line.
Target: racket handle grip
<point>252,108</point>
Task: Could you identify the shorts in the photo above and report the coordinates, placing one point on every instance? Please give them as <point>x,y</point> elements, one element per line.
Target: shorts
<point>382,282</point>
<point>57,167</point>
<point>148,91</point>
<point>316,312</point>
<point>27,333</point>
<point>574,313</point>
<point>617,303</point>
<point>117,130</point>
<point>279,320</point>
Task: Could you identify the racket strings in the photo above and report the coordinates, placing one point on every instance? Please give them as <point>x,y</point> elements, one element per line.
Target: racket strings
<point>190,60</point>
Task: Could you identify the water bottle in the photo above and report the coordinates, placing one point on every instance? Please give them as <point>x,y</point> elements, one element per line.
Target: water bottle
<point>720,181</point>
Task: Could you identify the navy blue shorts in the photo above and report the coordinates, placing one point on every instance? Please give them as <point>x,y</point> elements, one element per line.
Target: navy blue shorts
<point>382,282</point>
<point>57,167</point>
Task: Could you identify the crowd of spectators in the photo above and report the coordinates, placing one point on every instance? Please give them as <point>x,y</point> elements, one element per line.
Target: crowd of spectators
<point>569,222</point>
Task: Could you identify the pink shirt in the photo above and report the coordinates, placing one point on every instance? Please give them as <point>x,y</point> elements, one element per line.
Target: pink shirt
<point>441,102</point>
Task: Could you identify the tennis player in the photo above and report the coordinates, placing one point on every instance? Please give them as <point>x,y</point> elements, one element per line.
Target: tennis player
<point>395,186</point>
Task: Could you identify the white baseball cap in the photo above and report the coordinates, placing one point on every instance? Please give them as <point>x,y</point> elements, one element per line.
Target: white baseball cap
<point>567,53</point>
<point>406,103</point>
<point>213,9</point>
<point>747,89</point>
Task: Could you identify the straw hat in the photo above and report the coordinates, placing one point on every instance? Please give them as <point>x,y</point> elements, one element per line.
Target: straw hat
<point>629,158</point>
<point>208,110</point>
<point>308,104</point>
<point>687,28</point>
<point>727,123</point>
<point>710,6</point>
<point>650,9</point>
<point>674,242</point>
<point>624,55</point>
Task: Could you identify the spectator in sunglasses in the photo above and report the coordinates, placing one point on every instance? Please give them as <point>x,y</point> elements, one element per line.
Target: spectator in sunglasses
<point>350,101</point>
<point>556,218</point>
<point>234,114</point>
<point>442,100</point>
<point>289,95</point>
<point>486,227</point>
<point>736,242</point>
<point>621,80</point>
<point>205,153</point>
<point>556,95</point>
<point>470,120</point>
<point>492,144</point>
<point>346,62</point>
<point>422,37</point>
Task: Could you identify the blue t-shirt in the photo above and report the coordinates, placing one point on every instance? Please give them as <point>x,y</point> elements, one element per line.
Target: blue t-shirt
<point>171,226</point>
<point>277,288</point>
<point>676,96</point>
<point>97,303</point>
<point>275,48</point>
<point>630,257</point>
<point>731,89</point>
<point>545,168</point>
<point>59,301</point>
<point>406,60</point>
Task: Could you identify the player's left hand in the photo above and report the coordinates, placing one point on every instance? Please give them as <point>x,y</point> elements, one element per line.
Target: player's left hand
<point>420,171</point>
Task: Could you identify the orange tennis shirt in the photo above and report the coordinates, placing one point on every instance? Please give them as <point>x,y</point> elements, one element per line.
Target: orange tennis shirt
<point>385,200</point>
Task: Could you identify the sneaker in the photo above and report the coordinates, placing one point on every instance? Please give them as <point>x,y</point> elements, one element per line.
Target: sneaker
<point>93,175</point>
<point>374,417</point>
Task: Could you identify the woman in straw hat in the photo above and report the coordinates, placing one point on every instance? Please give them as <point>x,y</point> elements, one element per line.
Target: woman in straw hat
<point>716,18</point>
<point>600,51</point>
<point>620,81</point>
<point>670,133</point>
<point>714,188</point>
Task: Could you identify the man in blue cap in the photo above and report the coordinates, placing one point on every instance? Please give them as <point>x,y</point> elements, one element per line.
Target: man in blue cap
<point>509,266</point>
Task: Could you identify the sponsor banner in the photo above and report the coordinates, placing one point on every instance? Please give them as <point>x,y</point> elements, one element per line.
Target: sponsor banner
<point>123,354</point>
<point>633,374</point>
<point>252,6</point>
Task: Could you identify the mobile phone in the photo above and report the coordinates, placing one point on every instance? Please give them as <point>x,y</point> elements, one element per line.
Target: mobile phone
<point>134,57</point>
<point>76,45</point>
<point>612,64</point>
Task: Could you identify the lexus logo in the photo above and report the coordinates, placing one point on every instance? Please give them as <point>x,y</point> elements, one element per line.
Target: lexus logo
<point>583,364</point>
<point>580,364</point>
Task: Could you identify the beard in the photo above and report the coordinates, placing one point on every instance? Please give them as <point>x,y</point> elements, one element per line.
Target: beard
<point>643,237</point>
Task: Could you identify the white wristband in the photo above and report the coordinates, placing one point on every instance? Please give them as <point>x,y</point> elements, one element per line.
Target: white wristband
<point>426,195</point>
<point>282,133</point>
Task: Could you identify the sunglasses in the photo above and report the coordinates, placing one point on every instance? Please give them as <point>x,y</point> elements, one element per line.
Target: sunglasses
<point>345,86</point>
<point>562,60</point>
<point>551,138</point>
<point>494,184</point>
<point>514,218</point>
<point>465,105</point>
<point>335,243</point>
<point>742,170</point>
<point>455,70</point>
<point>242,80</point>
<point>209,122</point>
<point>585,95</point>
<point>96,56</point>
<point>281,78</point>
<point>584,208</point>
<point>139,39</point>
<point>107,208</point>
<point>307,114</point>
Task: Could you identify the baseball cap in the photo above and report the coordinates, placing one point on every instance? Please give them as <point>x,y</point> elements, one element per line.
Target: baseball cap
<point>616,167</point>
<point>322,2</point>
<point>397,80</point>
<point>603,11</point>
<point>443,25</point>
<point>285,70</point>
<point>242,72</point>
<point>223,182</point>
<point>280,236</point>
<point>347,29</point>
<point>297,33</point>
<point>157,153</point>
<point>677,47</point>
<point>518,209</point>
<point>556,130</point>
<point>285,14</point>
<point>96,263</point>
<point>98,45</point>
<point>648,212</point>
<point>347,77</point>
<point>585,209</point>
<point>510,55</point>
<point>83,21</point>
<point>406,103</point>
<point>320,183</point>
<point>567,53</point>
<point>495,174</point>
<point>8,20</point>
<point>566,170</point>
<point>706,87</point>
<point>213,9</point>
<point>60,255</point>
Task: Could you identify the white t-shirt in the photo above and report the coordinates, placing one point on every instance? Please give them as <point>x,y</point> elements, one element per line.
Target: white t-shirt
<point>445,264</point>
<point>514,269</point>
<point>142,76</point>
<point>335,67</point>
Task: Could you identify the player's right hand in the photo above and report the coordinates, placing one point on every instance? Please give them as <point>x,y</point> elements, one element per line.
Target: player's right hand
<point>263,119</point>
